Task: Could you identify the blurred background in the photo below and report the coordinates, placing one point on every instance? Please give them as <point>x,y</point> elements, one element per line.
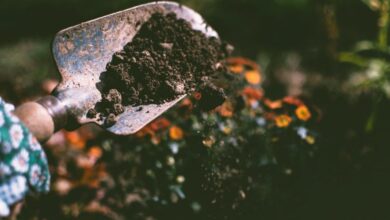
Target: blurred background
<point>332,54</point>
<point>266,31</point>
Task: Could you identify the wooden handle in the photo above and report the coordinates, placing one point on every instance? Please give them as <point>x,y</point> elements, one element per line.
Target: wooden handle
<point>37,119</point>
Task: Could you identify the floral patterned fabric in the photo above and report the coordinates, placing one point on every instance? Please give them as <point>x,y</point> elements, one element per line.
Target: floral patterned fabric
<point>23,163</point>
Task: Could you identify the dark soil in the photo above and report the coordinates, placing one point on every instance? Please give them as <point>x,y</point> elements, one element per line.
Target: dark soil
<point>165,59</point>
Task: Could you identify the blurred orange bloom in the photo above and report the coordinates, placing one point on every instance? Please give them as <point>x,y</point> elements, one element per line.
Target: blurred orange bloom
<point>226,109</point>
<point>176,133</point>
<point>93,176</point>
<point>75,139</point>
<point>273,104</point>
<point>186,103</point>
<point>85,162</point>
<point>292,101</point>
<point>145,131</point>
<point>283,121</point>
<point>151,129</point>
<point>252,93</point>
<point>236,68</point>
<point>303,113</point>
<point>240,61</point>
<point>253,77</point>
<point>159,124</point>
<point>95,152</point>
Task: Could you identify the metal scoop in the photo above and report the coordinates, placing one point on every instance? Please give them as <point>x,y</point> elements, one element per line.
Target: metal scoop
<point>81,53</point>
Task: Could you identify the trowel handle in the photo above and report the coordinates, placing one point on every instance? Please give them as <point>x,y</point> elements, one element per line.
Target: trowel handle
<point>42,117</point>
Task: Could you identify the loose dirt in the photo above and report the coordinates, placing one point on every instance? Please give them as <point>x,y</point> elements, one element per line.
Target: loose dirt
<point>165,59</point>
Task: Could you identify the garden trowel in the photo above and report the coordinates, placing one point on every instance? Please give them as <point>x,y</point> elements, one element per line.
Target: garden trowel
<point>81,53</point>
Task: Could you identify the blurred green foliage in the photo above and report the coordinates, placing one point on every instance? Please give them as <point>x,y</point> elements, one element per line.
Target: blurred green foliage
<point>24,65</point>
<point>372,58</point>
<point>30,57</point>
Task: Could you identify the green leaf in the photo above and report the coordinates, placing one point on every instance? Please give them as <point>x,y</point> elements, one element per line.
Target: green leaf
<point>352,58</point>
<point>373,4</point>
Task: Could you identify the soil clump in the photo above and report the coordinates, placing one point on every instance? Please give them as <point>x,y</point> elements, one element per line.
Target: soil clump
<point>165,60</point>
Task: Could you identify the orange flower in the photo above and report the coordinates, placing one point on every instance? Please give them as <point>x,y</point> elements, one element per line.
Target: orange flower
<point>95,152</point>
<point>292,101</point>
<point>176,133</point>
<point>186,103</point>
<point>236,68</point>
<point>283,121</point>
<point>253,77</point>
<point>92,177</point>
<point>273,104</point>
<point>226,109</point>
<point>160,124</point>
<point>239,65</point>
<point>145,131</point>
<point>303,113</point>
<point>75,139</point>
<point>252,93</point>
<point>240,61</point>
<point>155,126</point>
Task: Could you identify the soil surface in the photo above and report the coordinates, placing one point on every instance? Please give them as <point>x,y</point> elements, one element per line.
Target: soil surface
<point>165,59</point>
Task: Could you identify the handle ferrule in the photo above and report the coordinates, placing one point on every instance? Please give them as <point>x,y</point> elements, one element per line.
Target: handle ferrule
<point>56,110</point>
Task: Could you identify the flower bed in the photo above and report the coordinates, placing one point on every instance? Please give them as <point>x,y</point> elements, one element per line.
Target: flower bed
<point>187,163</point>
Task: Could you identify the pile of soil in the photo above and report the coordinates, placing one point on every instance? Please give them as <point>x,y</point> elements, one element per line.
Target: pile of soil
<point>165,59</point>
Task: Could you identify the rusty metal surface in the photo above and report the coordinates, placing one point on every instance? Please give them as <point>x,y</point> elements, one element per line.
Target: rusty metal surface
<point>83,51</point>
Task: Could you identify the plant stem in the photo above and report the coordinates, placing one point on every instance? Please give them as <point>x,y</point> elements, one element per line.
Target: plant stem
<point>370,125</point>
<point>383,25</point>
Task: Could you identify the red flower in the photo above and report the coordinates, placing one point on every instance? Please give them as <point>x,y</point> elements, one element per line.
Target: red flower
<point>292,100</point>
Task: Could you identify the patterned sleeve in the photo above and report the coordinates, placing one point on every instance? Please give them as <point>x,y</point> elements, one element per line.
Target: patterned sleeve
<point>23,163</point>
